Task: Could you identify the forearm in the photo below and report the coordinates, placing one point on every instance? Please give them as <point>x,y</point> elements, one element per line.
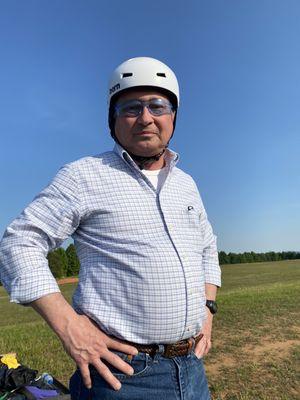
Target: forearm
<point>56,311</point>
<point>204,345</point>
<point>210,291</point>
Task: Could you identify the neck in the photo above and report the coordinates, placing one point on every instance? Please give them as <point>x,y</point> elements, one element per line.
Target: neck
<point>150,163</point>
<point>153,165</point>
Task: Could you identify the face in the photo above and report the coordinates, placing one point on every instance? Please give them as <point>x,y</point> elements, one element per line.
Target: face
<point>146,134</point>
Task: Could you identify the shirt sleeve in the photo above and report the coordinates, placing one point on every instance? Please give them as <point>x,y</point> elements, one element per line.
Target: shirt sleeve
<point>52,217</point>
<point>210,258</point>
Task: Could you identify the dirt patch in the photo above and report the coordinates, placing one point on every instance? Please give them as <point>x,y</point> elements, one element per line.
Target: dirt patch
<point>267,349</point>
<point>71,279</point>
<point>279,349</point>
<point>216,367</point>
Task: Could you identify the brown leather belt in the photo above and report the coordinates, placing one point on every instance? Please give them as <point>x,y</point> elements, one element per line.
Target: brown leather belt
<point>181,348</point>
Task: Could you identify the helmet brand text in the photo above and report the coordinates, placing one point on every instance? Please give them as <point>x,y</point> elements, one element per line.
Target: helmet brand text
<point>114,88</point>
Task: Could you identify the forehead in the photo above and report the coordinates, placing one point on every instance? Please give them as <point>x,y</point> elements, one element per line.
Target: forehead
<point>141,95</point>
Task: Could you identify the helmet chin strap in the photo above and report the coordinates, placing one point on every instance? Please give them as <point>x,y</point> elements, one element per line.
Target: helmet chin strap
<point>142,161</point>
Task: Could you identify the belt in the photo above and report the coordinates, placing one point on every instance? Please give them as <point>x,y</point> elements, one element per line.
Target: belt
<point>181,348</point>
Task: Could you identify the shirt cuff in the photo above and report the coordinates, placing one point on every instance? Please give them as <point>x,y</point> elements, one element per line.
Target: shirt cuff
<point>213,279</point>
<point>32,285</point>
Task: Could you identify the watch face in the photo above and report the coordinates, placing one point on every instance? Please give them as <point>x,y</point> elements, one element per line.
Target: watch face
<point>214,308</point>
<point>212,305</point>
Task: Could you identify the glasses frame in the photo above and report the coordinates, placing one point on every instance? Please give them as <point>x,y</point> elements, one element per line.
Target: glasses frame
<point>119,108</point>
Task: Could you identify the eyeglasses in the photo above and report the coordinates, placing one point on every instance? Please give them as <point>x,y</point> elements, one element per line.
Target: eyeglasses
<point>134,108</point>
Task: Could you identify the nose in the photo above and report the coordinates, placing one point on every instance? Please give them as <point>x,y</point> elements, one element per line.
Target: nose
<point>145,118</point>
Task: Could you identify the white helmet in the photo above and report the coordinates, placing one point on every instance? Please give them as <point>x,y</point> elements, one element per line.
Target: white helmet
<point>143,71</point>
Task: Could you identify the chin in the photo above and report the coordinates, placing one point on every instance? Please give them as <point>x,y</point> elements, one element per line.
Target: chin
<point>147,150</point>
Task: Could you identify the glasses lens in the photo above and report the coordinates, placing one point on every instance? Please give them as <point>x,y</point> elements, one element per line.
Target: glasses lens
<point>129,109</point>
<point>159,107</point>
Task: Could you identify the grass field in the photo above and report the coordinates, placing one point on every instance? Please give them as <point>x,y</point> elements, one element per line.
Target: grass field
<point>256,337</point>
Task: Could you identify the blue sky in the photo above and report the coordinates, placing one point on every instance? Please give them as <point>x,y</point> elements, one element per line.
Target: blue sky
<point>238,129</point>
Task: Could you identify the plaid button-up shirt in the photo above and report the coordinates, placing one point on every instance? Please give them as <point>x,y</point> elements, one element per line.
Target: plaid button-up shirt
<point>145,255</point>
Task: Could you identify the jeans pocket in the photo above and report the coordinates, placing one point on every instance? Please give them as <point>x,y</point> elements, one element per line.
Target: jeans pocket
<point>140,363</point>
<point>193,354</point>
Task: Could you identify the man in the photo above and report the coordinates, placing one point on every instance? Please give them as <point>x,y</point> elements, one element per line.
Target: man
<point>145,300</point>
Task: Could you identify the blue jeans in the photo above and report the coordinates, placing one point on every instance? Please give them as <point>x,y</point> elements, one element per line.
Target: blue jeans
<point>157,378</point>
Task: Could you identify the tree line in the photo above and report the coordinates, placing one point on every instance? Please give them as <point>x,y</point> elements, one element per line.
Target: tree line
<point>251,257</point>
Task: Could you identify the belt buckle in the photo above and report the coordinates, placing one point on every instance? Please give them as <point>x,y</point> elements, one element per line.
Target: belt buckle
<point>171,348</point>
<point>169,351</point>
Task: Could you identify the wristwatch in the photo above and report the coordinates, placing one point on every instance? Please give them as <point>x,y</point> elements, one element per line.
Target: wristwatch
<point>212,306</point>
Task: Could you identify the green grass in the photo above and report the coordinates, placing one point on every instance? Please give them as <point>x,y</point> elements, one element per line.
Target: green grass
<point>24,332</point>
<point>256,344</point>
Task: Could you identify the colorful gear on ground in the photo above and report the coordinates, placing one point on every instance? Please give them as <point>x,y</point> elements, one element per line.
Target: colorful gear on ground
<point>10,359</point>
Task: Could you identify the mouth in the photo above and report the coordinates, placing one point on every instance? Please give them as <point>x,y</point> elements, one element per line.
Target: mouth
<point>146,133</point>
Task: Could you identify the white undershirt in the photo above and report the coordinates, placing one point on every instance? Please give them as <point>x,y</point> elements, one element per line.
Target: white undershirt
<point>157,177</point>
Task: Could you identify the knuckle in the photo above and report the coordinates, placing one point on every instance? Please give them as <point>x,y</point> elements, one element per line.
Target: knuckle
<point>81,364</point>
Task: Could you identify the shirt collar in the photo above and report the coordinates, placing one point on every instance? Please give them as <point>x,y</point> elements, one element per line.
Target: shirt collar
<point>170,156</point>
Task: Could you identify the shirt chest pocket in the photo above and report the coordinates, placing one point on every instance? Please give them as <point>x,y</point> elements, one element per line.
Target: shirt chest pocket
<point>188,223</point>
<point>192,215</point>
